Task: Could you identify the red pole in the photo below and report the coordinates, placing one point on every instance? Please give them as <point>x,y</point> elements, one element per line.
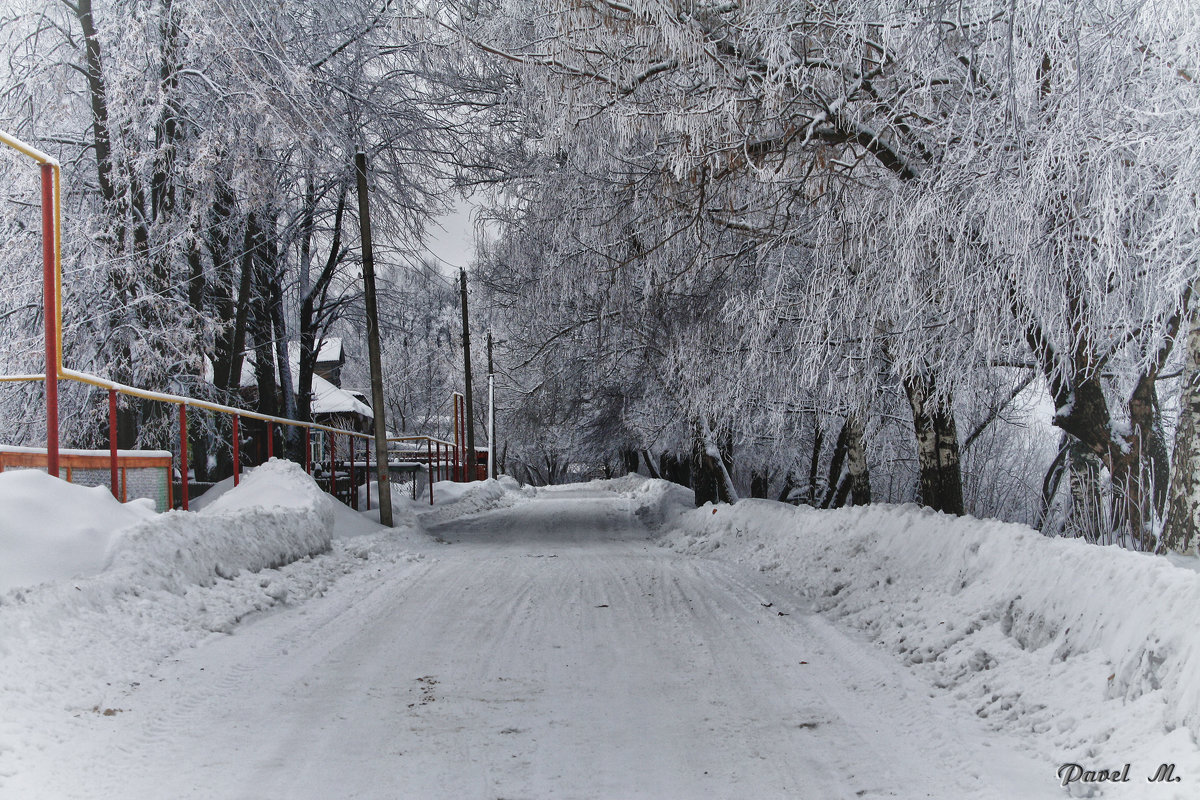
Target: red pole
<point>454,461</point>
<point>237,463</point>
<point>308,450</point>
<point>429,467</point>
<point>112,443</point>
<point>270,441</point>
<point>332,467</point>
<point>462,441</point>
<point>183,456</point>
<point>353,485</point>
<point>50,313</point>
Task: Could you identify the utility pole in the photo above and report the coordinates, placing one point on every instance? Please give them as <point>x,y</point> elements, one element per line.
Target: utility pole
<point>368,262</point>
<point>491,465</point>
<point>468,412</point>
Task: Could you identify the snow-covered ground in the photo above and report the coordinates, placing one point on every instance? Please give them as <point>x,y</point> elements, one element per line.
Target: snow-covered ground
<point>600,640</point>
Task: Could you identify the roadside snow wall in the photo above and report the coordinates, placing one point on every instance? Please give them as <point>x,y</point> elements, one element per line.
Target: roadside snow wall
<point>72,647</point>
<point>1096,648</point>
<point>456,500</point>
<point>275,516</point>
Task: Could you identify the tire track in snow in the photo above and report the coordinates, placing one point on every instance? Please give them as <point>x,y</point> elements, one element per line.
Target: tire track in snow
<point>550,651</point>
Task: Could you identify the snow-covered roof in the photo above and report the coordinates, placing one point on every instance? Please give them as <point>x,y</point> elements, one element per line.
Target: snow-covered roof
<point>327,398</point>
<point>330,350</point>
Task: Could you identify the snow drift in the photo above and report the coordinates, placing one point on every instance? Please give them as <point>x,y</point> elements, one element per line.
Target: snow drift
<point>276,515</point>
<point>70,648</point>
<point>456,500</point>
<point>1091,648</point>
<point>51,529</point>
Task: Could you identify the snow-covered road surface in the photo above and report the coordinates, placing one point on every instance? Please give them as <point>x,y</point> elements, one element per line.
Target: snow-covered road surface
<point>548,650</point>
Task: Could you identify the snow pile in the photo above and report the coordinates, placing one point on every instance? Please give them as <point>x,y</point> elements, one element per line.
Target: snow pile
<point>656,501</point>
<point>51,529</point>
<point>455,500</point>
<point>276,515</point>
<point>1093,650</point>
<point>70,649</point>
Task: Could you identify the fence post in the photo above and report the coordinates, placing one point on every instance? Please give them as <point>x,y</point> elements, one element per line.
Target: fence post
<point>457,437</point>
<point>368,472</point>
<point>50,306</point>
<point>112,442</point>
<point>332,465</point>
<point>270,441</point>
<point>237,454</point>
<point>183,456</point>
<point>353,484</point>
<point>308,450</point>
<point>429,467</point>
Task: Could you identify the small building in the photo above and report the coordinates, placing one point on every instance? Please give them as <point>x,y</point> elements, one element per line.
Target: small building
<point>331,357</point>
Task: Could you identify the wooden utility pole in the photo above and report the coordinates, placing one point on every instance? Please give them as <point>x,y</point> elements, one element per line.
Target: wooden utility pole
<point>469,411</point>
<point>491,464</point>
<point>368,262</point>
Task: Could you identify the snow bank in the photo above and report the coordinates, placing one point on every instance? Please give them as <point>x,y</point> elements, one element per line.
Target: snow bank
<point>656,501</point>
<point>73,648</point>
<point>51,529</point>
<point>276,515</point>
<point>1093,650</point>
<point>455,500</point>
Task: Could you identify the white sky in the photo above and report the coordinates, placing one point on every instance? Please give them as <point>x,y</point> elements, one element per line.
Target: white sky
<point>453,243</point>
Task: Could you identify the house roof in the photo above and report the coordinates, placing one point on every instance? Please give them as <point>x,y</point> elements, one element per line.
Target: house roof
<point>327,398</point>
<point>330,351</point>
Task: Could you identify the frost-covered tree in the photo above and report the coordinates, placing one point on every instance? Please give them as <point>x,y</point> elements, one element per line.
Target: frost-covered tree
<point>208,150</point>
<point>940,195</point>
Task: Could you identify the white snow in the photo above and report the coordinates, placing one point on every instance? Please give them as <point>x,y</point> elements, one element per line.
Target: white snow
<point>51,529</point>
<point>1092,653</point>
<point>600,640</point>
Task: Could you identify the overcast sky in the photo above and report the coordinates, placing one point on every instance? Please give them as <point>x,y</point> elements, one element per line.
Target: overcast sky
<point>454,242</point>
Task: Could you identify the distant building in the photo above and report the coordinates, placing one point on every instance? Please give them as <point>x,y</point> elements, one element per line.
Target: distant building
<point>331,357</point>
<point>331,405</point>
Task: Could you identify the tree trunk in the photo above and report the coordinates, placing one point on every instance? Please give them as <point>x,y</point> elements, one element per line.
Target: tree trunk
<point>629,459</point>
<point>759,483</point>
<point>1052,480</point>
<point>937,447</point>
<point>814,463</point>
<point>856,463</point>
<point>675,469</point>
<point>836,466</point>
<point>650,464</point>
<point>1087,506</point>
<point>1183,504</point>
<point>704,473</point>
<point>712,459</point>
<point>785,491</point>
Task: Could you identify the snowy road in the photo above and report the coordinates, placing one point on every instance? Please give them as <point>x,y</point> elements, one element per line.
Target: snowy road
<point>547,650</point>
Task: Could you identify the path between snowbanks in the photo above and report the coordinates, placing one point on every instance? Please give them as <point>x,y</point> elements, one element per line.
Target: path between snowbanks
<point>1093,652</point>
<point>551,650</point>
